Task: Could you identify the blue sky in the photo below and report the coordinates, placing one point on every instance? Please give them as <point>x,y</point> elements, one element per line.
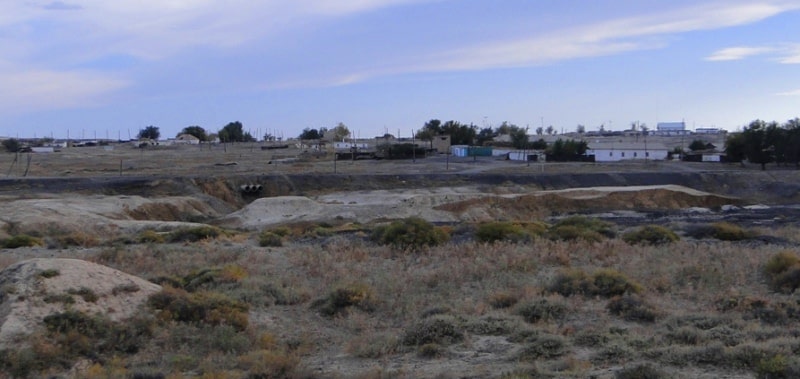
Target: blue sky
<point>97,68</point>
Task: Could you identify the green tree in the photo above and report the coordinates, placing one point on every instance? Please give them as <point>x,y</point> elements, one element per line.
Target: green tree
<point>485,135</point>
<point>150,132</point>
<point>757,147</point>
<point>431,129</point>
<point>792,150</point>
<point>310,134</point>
<point>460,134</point>
<point>234,132</point>
<point>735,147</point>
<point>539,144</point>
<point>580,129</point>
<point>519,138</point>
<point>566,150</point>
<point>196,131</point>
<point>12,145</point>
<point>340,132</point>
<point>697,145</point>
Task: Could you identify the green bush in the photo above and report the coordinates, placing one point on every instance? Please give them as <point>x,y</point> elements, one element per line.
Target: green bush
<point>340,299</point>
<point>581,228</point>
<point>609,282</point>
<point>21,240</point>
<point>412,233</point>
<point>650,235</point>
<point>200,307</point>
<point>197,233</point>
<point>542,310</point>
<point>269,239</point>
<point>632,308</point>
<point>500,231</point>
<point>783,272</point>
<point>437,329</point>
<point>546,346</point>
<point>49,273</point>
<point>604,282</point>
<point>86,293</point>
<point>726,231</point>
<point>641,371</point>
<point>151,236</point>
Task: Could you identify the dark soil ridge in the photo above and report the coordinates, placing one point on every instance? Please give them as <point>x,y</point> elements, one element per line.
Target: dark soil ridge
<point>766,187</point>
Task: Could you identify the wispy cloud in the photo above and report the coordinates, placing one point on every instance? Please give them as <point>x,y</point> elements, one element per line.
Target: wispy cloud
<point>782,53</point>
<point>37,89</point>
<point>738,53</point>
<point>789,93</point>
<point>62,6</point>
<point>599,39</point>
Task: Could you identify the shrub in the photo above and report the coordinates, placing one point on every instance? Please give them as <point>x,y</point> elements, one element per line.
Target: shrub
<point>783,272</point>
<point>546,346</point>
<point>542,310</point>
<point>500,231</point>
<point>726,231</point>
<point>581,227</point>
<point>352,295</point>
<point>151,236</point>
<point>502,299</point>
<point>201,307</point>
<point>430,350</point>
<point>772,367</point>
<point>78,239</point>
<point>269,239</point>
<point>412,233</point>
<point>610,282</point>
<point>438,330</point>
<point>197,233</point>
<point>650,235</point>
<point>86,293</point>
<point>604,282</point>
<point>49,273</point>
<point>268,364</point>
<point>632,308</point>
<point>641,371</point>
<point>21,240</point>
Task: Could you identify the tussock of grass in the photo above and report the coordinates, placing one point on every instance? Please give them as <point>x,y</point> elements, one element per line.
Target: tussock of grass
<point>650,235</point>
<point>581,228</point>
<point>358,295</point>
<point>436,330</point>
<point>603,282</point>
<point>21,240</point>
<point>412,233</point>
<point>491,232</point>
<point>783,272</point>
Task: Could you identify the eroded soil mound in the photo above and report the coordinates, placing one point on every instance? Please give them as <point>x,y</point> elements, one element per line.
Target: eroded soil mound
<point>545,203</point>
<point>465,204</point>
<point>36,288</point>
<point>100,215</point>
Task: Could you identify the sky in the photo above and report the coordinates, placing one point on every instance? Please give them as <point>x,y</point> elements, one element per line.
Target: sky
<point>107,69</point>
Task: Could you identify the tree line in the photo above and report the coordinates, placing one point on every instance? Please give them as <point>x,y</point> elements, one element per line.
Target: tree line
<point>764,142</point>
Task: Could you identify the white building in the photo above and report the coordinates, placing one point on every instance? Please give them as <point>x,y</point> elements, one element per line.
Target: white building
<point>671,129</point>
<point>614,152</point>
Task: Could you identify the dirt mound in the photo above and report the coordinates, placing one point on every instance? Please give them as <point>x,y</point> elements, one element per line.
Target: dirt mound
<point>545,203</point>
<point>101,215</point>
<point>36,288</point>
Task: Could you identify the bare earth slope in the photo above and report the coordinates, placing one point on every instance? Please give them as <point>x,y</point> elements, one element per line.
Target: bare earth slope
<point>29,284</point>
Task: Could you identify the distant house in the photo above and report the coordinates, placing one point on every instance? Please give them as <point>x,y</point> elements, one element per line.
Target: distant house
<point>614,152</point>
<point>441,143</point>
<point>671,129</point>
<point>186,139</point>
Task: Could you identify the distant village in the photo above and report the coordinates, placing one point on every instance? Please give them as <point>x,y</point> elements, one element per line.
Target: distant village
<point>669,140</point>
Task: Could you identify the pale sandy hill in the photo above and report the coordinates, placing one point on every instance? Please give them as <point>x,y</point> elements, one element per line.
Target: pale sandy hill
<point>29,287</point>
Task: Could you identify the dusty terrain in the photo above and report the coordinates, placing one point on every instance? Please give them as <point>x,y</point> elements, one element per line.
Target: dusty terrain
<point>114,196</point>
